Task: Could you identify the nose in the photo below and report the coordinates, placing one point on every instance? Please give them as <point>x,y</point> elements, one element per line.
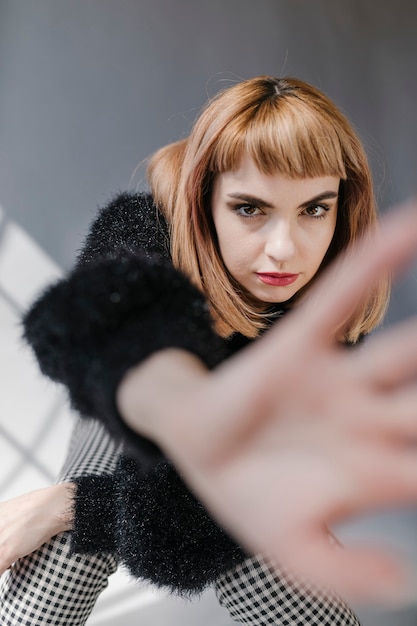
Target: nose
<point>280,243</point>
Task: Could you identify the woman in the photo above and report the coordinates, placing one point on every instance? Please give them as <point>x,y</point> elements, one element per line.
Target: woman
<point>245,214</point>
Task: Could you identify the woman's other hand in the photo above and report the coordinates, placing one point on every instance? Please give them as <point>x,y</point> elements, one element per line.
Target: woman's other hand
<point>28,521</point>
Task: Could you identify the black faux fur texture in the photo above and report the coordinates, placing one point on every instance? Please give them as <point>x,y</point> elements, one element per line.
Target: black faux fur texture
<point>119,305</point>
<point>162,534</point>
<point>123,301</point>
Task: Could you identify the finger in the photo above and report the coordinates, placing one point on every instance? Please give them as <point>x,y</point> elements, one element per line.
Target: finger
<point>400,343</point>
<point>337,293</point>
<point>393,416</point>
<point>358,574</point>
<point>387,478</point>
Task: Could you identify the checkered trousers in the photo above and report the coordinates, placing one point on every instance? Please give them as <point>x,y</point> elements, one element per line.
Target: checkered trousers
<point>51,587</point>
<point>256,593</point>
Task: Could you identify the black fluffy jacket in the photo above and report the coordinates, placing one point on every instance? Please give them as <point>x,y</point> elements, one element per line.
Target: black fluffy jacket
<point>122,301</point>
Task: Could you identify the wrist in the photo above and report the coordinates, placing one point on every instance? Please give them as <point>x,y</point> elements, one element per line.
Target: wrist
<point>63,506</point>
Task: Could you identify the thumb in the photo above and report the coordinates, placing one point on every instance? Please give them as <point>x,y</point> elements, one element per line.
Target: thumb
<point>337,292</point>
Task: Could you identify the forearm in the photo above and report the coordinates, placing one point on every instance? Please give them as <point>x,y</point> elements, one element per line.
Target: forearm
<point>49,508</point>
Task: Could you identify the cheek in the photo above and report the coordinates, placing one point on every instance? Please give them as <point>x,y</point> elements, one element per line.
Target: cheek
<point>237,256</point>
<point>316,247</point>
<point>325,242</point>
<point>233,256</point>
<point>233,244</point>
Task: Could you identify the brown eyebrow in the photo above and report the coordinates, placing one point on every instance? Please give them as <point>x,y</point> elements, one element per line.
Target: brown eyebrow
<point>326,195</point>
<point>251,200</point>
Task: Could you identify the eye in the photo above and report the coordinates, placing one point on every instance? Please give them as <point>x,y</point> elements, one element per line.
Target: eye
<point>248,210</point>
<point>316,211</point>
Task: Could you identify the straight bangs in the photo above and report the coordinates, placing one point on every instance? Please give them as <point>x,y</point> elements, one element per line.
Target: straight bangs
<point>282,136</point>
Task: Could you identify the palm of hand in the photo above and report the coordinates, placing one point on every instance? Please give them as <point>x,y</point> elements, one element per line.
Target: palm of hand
<point>295,434</point>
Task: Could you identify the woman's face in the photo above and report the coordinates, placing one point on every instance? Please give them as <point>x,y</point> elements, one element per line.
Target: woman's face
<point>273,231</point>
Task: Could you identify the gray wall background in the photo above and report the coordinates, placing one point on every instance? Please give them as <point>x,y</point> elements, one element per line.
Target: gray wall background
<point>88,88</point>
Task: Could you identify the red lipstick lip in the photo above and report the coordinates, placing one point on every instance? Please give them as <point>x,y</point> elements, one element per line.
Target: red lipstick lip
<point>277,279</point>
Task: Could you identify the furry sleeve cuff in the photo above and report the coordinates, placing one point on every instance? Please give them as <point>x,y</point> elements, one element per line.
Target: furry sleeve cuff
<point>164,535</point>
<point>105,318</point>
<point>94,514</point>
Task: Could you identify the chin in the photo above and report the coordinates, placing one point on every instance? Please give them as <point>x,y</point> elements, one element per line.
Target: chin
<point>279,297</point>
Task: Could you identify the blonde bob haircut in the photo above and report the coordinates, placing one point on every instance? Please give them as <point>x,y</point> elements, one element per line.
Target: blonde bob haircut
<point>286,126</point>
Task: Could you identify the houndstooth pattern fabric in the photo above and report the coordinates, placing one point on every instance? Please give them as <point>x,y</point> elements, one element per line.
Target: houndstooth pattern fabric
<point>51,587</point>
